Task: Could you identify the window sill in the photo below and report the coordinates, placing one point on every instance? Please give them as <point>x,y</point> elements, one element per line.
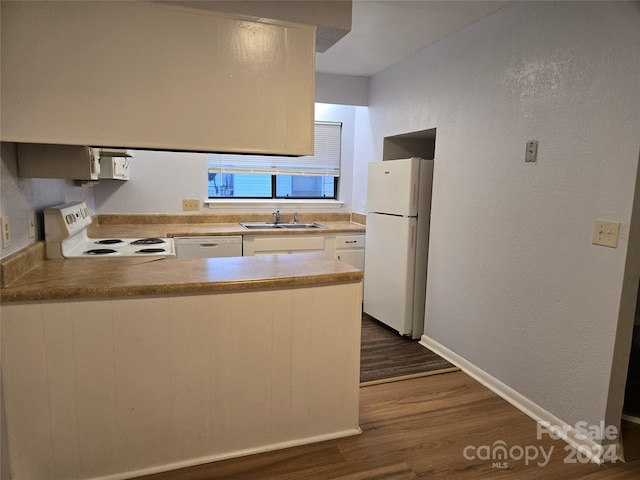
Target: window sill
<point>242,204</point>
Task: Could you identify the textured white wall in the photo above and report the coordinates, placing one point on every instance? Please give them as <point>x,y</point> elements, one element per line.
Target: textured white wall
<point>515,285</point>
<point>364,153</point>
<point>158,183</point>
<point>342,89</point>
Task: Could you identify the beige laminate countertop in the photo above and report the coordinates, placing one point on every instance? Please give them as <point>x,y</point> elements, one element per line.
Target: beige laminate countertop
<point>126,277</point>
<point>205,229</point>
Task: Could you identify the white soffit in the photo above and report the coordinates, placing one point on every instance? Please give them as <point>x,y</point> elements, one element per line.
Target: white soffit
<point>384,32</point>
<point>331,17</point>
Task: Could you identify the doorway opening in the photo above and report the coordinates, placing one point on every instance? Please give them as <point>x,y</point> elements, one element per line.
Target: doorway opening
<point>628,340</point>
<point>387,357</point>
<point>421,143</point>
<point>630,424</point>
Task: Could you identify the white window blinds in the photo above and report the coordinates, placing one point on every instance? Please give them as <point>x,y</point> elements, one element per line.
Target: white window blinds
<point>324,162</point>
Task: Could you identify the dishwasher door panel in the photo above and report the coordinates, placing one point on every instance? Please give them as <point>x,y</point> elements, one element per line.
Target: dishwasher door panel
<point>208,247</point>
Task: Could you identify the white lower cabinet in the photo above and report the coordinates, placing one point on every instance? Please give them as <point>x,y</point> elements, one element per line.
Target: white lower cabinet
<point>120,388</point>
<point>348,248</point>
<point>355,257</point>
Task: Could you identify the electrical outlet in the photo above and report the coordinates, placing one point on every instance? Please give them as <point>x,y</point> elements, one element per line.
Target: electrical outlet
<point>606,233</point>
<point>31,224</point>
<point>6,233</point>
<point>190,204</point>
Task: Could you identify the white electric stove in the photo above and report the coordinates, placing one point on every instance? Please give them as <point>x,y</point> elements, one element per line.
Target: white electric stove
<point>65,228</point>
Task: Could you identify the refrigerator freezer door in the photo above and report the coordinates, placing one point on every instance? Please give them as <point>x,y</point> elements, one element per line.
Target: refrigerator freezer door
<point>389,270</point>
<point>392,187</point>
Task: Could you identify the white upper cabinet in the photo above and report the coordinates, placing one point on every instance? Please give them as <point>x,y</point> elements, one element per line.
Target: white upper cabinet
<point>142,75</point>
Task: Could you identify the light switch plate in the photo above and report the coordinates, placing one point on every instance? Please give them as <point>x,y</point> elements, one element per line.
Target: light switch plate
<point>532,151</point>
<point>606,233</point>
<point>6,233</point>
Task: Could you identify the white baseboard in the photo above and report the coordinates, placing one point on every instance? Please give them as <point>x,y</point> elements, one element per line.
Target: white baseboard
<point>568,433</point>
<point>229,455</point>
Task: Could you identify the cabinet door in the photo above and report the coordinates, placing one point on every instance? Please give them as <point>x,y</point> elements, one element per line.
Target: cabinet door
<point>145,75</point>
<point>354,257</point>
<point>350,249</point>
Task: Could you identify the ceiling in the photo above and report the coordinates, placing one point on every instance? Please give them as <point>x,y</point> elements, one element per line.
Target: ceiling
<point>385,32</point>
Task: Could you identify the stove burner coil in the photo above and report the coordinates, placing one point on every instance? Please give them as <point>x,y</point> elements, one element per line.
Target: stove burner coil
<point>147,241</point>
<point>151,250</point>
<point>108,241</point>
<point>100,251</point>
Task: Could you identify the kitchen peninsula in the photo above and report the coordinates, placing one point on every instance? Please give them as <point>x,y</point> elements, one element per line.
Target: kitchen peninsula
<point>114,368</point>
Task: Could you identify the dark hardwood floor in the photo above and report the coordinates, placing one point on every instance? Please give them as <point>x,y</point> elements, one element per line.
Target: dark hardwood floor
<point>418,429</point>
<point>386,356</point>
<point>631,440</point>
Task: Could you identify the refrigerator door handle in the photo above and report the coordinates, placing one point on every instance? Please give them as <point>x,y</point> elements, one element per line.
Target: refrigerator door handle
<point>414,199</point>
<point>413,236</point>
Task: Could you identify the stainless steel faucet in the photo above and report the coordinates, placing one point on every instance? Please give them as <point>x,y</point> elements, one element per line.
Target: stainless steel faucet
<point>276,214</point>
<point>295,217</point>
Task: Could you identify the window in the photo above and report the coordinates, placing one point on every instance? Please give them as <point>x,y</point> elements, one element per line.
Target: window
<point>260,176</point>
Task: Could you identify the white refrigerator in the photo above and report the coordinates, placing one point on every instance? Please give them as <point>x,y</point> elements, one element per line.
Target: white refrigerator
<point>395,273</point>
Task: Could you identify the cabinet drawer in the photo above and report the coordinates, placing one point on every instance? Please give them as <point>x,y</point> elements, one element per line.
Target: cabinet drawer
<point>350,241</point>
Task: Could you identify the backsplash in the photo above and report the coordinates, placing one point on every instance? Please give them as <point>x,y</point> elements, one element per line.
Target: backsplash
<point>196,218</point>
<point>360,218</point>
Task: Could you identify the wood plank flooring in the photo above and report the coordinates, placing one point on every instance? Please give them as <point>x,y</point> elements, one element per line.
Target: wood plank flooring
<point>416,429</point>
<point>387,356</point>
<point>631,440</point>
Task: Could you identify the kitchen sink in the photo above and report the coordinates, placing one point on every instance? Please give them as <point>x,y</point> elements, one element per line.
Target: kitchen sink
<point>258,226</point>
<point>295,226</point>
<point>281,225</point>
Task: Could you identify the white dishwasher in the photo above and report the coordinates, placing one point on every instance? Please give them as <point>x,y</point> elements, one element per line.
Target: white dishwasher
<point>208,247</point>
